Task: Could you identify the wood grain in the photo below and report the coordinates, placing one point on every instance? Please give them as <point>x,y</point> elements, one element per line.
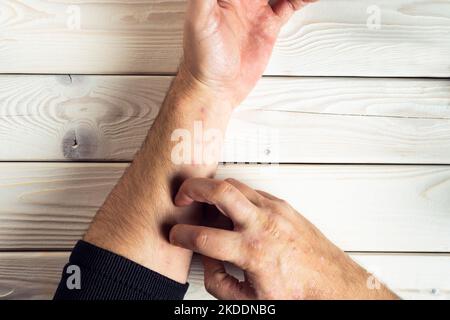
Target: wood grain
<point>329,38</point>
<point>360,208</point>
<point>30,275</point>
<point>285,120</point>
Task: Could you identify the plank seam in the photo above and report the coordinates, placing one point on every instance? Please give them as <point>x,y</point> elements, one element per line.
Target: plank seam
<point>373,164</point>
<point>350,114</point>
<point>268,76</point>
<point>426,253</point>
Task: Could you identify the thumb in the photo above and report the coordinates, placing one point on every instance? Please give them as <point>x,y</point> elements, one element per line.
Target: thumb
<point>285,9</point>
<point>201,8</point>
<point>222,285</point>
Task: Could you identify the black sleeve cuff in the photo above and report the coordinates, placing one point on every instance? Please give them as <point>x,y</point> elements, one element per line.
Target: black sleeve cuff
<point>106,276</point>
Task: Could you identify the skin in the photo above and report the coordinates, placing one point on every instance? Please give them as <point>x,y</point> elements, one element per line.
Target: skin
<point>228,43</point>
<point>282,254</point>
<point>221,65</point>
<point>227,46</point>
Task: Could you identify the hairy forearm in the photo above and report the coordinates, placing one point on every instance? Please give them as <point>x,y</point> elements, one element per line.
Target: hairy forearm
<point>135,219</point>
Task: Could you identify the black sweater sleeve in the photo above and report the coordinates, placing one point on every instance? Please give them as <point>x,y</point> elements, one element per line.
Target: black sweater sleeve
<point>103,275</point>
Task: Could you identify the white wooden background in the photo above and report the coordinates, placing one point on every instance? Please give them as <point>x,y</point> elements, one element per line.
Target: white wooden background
<point>357,117</point>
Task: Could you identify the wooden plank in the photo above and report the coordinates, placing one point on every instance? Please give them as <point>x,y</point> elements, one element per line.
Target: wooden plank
<point>30,275</point>
<point>329,38</point>
<point>287,120</point>
<point>360,208</point>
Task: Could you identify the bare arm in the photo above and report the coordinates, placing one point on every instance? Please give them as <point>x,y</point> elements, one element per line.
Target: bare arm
<point>226,49</point>
<point>135,218</point>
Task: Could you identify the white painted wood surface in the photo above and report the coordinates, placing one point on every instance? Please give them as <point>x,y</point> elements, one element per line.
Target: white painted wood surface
<point>329,38</point>
<point>35,275</point>
<point>285,120</point>
<point>361,208</point>
<point>322,120</point>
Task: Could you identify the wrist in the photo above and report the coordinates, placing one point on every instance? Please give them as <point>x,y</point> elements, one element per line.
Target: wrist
<point>191,90</point>
<point>367,287</point>
<point>346,280</point>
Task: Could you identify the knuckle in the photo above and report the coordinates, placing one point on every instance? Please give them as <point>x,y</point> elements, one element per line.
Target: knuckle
<point>220,189</point>
<point>255,246</point>
<point>200,240</point>
<point>253,249</point>
<point>271,225</point>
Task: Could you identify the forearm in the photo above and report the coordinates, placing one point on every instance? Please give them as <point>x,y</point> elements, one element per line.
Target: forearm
<point>135,219</point>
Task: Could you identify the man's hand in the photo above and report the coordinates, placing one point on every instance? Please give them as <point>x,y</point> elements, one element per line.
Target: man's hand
<point>228,43</point>
<point>282,254</point>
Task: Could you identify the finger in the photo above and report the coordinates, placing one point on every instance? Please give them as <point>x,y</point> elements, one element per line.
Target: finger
<point>226,197</point>
<point>284,9</point>
<point>222,285</point>
<point>250,193</point>
<point>215,243</point>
